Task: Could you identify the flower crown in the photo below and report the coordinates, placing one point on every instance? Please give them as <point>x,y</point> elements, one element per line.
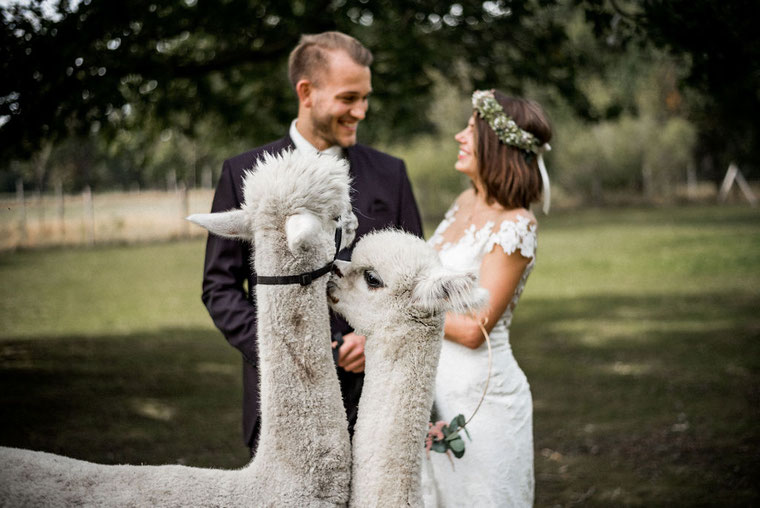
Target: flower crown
<point>484,102</point>
<point>509,133</point>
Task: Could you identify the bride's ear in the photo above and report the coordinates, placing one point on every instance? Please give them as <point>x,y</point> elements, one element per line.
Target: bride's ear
<point>444,290</point>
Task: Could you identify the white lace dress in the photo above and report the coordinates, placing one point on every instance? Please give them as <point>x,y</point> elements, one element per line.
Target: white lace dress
<point>497,467</point>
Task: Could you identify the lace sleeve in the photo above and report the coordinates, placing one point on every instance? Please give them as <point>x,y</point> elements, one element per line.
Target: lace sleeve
<point>515,234</point>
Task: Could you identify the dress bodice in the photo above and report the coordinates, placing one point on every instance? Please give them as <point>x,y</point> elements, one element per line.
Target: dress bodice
<point>467,253</point>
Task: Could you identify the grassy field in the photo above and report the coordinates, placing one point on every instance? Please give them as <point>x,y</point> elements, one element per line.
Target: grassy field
<point>639,332</point>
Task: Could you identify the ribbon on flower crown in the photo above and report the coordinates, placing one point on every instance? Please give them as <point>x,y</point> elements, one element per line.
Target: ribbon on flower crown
<point>547,198</point>
<point>508,132</point>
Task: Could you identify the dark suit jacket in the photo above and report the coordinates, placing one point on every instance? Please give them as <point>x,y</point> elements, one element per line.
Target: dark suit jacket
<point>381,197</point>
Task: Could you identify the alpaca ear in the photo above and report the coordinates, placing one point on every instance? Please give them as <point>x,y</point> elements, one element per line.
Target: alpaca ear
<point>348,224</point>
<point>301,229</point>
<point>444,290</point>
<point>230,224</point>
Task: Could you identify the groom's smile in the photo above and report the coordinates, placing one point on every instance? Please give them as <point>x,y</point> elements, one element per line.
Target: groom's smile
<point>339,102</point>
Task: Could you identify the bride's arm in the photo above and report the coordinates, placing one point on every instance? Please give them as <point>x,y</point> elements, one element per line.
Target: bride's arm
<point>500,274</point>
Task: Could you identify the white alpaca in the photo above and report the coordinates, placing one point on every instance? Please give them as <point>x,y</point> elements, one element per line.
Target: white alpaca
<point>291,210</point>
<point>396,292</point>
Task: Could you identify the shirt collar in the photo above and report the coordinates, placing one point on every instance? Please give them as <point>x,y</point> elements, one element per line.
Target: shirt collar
<point>303,144</point>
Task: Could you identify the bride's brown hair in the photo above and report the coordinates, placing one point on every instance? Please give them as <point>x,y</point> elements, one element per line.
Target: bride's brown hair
<point>510,176</point>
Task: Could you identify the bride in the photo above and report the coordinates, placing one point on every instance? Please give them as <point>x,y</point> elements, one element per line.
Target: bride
<point>490,228</point>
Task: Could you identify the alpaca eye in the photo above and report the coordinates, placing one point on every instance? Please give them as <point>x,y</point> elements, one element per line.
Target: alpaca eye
<point>372,279</point>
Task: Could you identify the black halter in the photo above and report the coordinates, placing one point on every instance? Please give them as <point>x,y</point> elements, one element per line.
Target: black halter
<point>303,279</point>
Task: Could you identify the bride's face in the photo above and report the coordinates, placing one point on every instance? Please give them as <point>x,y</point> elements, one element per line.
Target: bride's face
<point>467,163</point>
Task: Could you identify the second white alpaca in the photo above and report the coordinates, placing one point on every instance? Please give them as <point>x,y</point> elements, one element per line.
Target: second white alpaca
<point>396,292</point>
<point>291,209</point>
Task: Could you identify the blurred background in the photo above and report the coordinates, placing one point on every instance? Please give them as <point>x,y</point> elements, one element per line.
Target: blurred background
<point>639,330</point>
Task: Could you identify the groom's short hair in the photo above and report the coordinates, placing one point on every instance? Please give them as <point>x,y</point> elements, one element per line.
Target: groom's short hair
<point>308,59</point>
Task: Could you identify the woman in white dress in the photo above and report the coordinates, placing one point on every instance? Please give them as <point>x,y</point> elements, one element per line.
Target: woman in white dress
<point>490,228</point>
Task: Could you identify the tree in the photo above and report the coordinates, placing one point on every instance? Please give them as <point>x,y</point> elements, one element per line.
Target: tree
<point>720,40</point>
<point>108,65</point>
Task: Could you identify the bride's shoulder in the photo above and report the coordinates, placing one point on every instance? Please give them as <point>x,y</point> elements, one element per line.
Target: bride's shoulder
<point>518,216</point>
<point>515,230</point>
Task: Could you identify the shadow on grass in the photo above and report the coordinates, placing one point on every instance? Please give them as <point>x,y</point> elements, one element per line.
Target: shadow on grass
<point>639,400</point>
<point>644,400</point>
<point>167,397</point>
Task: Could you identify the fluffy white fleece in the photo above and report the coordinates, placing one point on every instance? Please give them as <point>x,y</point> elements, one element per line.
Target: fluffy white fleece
<point>293,202</point>
<point>396,292</point>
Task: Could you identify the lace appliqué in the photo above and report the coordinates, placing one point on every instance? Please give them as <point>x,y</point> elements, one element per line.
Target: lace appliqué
<point>448,219</point>
<point>513,234</point>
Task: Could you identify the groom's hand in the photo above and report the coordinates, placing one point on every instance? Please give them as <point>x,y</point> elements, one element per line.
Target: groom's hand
<point>351,353</point>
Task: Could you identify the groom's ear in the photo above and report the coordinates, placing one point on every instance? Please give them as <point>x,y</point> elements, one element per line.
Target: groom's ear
<point>303,89</point>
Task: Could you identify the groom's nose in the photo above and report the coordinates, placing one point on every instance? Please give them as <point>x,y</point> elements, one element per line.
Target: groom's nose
<point>359,111</point>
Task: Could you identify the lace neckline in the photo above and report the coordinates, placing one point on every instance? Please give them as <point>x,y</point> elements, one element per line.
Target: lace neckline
<point>472,233</point>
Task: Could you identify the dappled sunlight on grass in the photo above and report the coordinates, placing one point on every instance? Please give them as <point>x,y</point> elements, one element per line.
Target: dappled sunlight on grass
<point>640,336</point>
<point>226,369</point>
<point>628,369</point>
<point>152,408</point>
<point>131,398</point>
<point>639,333</point>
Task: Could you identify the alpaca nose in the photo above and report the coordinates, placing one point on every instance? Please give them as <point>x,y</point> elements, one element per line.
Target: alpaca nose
<point>336,271</point>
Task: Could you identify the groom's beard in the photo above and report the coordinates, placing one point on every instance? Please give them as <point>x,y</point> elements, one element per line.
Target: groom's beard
<point>323,128</point>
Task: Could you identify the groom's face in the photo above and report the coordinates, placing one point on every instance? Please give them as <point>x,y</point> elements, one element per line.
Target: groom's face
<point>340,100</point>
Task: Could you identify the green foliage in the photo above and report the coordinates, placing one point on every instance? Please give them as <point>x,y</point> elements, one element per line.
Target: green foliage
<point>107,65</point>
<point>643,147</point>
<point>718,39</point>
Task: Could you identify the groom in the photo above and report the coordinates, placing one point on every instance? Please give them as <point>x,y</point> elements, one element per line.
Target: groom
<point>331,77</point>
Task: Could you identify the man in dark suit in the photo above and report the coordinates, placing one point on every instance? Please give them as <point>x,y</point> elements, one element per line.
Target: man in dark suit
<point>331,76</point>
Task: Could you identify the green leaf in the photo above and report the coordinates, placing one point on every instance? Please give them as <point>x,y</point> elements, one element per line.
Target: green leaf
<point>439,446</point>
<point>452,436</point>
<point>456,445</point>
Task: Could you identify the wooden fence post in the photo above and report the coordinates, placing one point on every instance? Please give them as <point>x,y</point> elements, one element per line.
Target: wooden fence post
<point>89,215</point>
<point>60,207</point>
<point>184,209</point>
<point>40,203</point>
<point>206,178</point>
<point>21,209</point>
<point>691,182</point>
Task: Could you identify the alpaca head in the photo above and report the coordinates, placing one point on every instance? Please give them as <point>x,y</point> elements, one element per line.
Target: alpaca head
<point>297,197</point>
<point>395,279</point>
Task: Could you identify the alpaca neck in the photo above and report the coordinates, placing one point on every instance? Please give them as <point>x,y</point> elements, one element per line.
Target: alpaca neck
<point>301,405</point>
<point>393,414</point>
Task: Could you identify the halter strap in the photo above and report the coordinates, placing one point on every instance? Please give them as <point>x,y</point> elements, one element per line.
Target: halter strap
<point>304,279</point>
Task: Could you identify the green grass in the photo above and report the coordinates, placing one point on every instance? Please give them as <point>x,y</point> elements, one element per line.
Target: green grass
<point>639,332</point>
